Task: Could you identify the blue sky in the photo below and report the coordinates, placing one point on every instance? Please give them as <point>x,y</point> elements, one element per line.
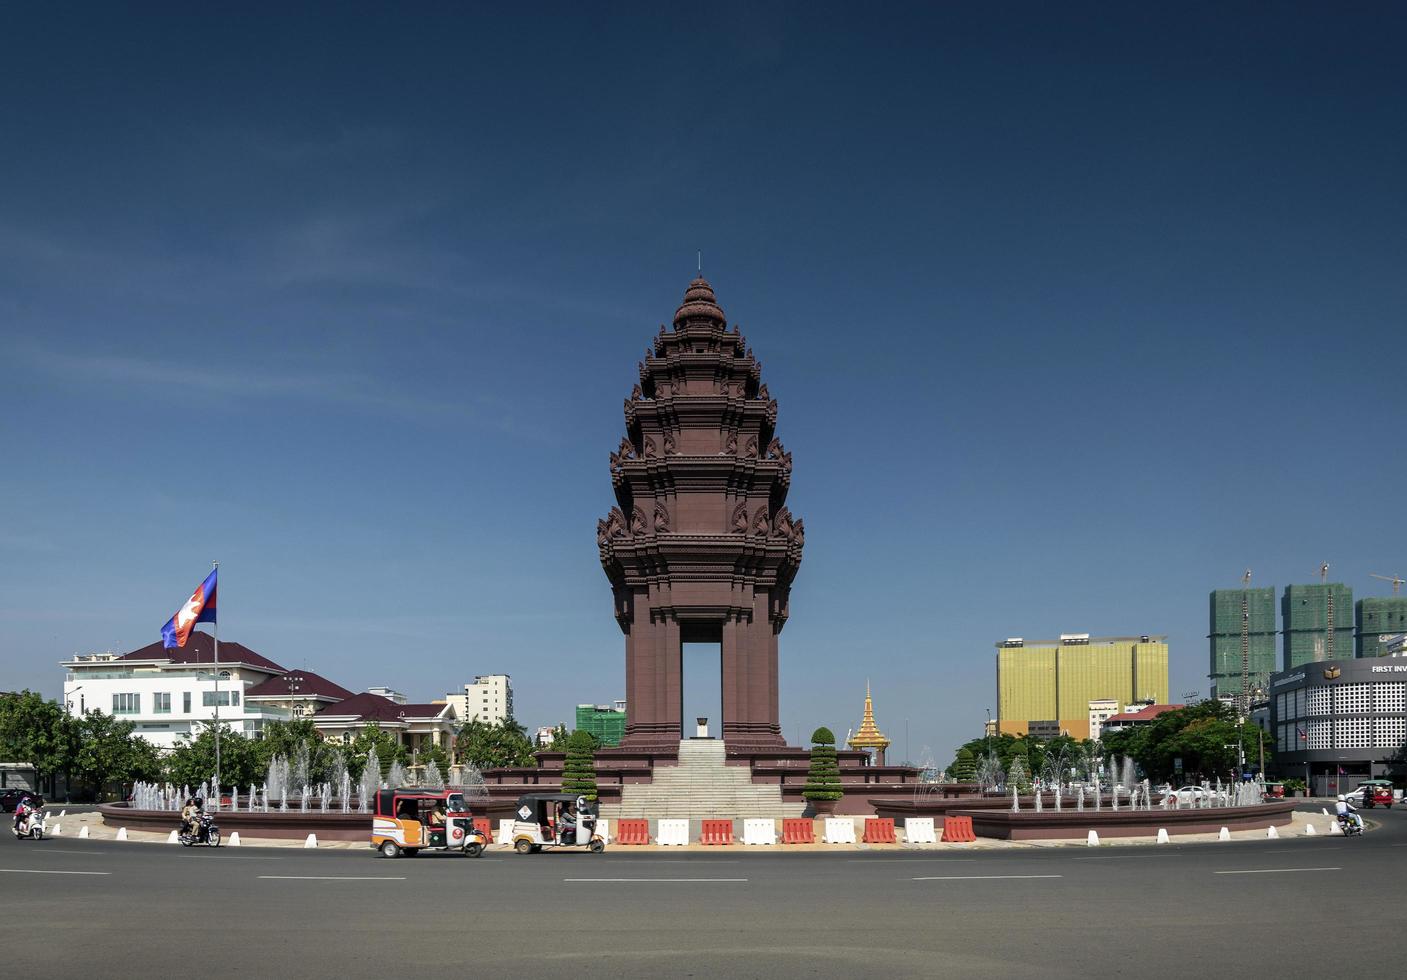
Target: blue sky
<point>1072,314</point>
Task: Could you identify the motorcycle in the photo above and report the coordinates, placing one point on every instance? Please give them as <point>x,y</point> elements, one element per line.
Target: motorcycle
<point>207,834</point>
<point>31,826</point>
<point>1350,826</point>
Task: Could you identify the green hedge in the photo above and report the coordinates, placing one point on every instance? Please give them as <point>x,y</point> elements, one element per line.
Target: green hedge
<point>823,778</point>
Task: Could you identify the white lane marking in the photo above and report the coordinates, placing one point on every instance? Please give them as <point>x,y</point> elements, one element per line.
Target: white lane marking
<point>32,871</point>
<point>1273,871</point>
<point>328,878</point>
<point>632,880</point>
<point>982,877</point>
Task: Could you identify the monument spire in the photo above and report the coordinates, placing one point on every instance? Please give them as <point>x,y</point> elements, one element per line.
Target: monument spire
<point>869,736</point>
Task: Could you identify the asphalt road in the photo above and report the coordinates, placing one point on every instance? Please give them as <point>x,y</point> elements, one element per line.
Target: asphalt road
<point>104,909</point>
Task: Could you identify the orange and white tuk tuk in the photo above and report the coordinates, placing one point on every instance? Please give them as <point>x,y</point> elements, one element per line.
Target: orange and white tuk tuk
<point>410,820</point>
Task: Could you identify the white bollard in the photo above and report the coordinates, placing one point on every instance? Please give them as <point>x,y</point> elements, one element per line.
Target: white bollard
<point>839,830</point>
<point>1224,834</point>
<point>62,814</point>
<point>1309,830</point>
<point>1323,811</point>
<point>920,830</point>
<point>1093,839</point>
<point>672,833</point>
<point>171,838</point>
<point>234,839</point>
<point>1334,828</point>
<point>603,827</point>
<point>1162,835</point>
<point>121,833</point>
<point>1271,833</point>
<point>312,841</point>
<point>83,832</point>
<point>761,830</point>
<point>56,830</point>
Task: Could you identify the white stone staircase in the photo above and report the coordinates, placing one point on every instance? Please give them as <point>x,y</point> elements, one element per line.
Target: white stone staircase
<point>701,786</point>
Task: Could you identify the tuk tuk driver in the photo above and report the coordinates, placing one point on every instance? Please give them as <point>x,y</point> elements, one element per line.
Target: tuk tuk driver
<point>437,815</point>
<point>567,826</point>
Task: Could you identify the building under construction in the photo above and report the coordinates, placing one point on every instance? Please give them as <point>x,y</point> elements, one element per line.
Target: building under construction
<point>1381,622</point>
<point>1047,686</point>
<point>1317,622</point>
<point>1242,621</point>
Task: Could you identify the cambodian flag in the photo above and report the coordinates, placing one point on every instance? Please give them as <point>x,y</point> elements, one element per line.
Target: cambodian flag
<point>199,608</point>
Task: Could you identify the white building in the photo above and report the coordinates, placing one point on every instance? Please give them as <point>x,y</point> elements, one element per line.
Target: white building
<point>488,699</point>
<point>170,693</point>
<point>1100,710</point>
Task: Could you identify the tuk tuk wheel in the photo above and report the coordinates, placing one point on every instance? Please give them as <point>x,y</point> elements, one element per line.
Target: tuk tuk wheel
<point>390,849</point>
<point>474,850</point>
<point>523,846</point>
<point>597,846</point>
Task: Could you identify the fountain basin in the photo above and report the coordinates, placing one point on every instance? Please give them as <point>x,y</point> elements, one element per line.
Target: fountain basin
<point>1001,823</point>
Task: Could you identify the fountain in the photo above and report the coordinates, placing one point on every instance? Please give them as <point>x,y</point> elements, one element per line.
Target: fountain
<point>395,776</point>
<point>433,779</point>
<point>370,782</point>
<point>1015,799</point>
<point>345,793</point>
<point>1080,800</point>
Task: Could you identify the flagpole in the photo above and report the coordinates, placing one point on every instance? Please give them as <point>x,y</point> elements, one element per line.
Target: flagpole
<point>217,683</point>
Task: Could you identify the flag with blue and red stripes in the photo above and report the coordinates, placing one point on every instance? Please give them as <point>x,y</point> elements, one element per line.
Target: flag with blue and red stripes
<point>199,608</point>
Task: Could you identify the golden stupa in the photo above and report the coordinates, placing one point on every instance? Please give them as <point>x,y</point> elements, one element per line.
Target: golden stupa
<point>869,736</point>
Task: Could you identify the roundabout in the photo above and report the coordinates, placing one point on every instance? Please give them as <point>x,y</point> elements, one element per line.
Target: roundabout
<point>1015,910</point>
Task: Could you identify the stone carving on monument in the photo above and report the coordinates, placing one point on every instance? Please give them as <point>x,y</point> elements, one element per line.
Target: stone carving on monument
<point>716,560</point>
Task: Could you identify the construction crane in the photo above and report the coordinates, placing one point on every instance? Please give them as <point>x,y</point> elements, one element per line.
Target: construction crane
<point>1245,644</point>
<point>1328,611</point>
<point>1397,581</point>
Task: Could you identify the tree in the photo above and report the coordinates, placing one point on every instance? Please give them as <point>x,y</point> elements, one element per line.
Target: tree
<point>36,732</point>
<point>823,777</point>
<point>490,746</point>
<point>387,745</point>
<point>107,752</point>
<point>964,768</point>
<point>192,761</point>
<point>1203,736</point>
<point>559,738</point>
<point>579,771</point>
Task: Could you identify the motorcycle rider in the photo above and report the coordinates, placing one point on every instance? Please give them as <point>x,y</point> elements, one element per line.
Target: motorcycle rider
<point>190,816</point>
<point>1346,811</point>
<point>22,810</point>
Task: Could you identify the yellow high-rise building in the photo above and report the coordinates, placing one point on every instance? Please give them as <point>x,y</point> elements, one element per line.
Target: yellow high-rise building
<point>1046,686</point>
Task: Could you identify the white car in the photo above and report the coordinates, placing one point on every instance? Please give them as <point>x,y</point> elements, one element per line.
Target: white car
<point>1197,796</point>
<point>1354,796</point>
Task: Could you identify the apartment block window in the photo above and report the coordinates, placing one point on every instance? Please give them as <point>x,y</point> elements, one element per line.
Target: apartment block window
<point>186,702</point>
<point>207,698</point>
<point>161,703</point>
<point>126,704</point>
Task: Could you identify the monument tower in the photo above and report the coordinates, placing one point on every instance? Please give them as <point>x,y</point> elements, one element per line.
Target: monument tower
<point>701,547</point>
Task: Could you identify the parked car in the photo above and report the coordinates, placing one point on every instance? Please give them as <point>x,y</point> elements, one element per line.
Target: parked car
<point>1354,796</point>
<point>1196,795</point>
<point>10,798</point>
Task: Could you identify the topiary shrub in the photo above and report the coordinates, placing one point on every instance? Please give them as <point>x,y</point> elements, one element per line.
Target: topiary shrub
<point>823,778</point>
<point>579,771</point>
<point>965,766</point>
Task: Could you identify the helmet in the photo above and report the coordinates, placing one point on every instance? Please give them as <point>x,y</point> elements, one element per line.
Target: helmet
<point>199,801</point>
<point>1342,798</point>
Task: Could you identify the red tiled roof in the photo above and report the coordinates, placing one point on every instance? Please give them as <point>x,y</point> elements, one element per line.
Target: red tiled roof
<point>305,683</point>
<point>373,707</point>
<point>200,649</point>
<point>1142,714</point>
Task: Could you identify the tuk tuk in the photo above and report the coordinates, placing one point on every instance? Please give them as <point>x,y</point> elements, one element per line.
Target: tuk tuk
<point>555,820</point>
<point>1376,792</point>
<point>409,820</point>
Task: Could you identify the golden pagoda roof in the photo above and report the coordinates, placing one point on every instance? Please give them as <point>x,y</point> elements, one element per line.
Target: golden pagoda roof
<point>869,736</point>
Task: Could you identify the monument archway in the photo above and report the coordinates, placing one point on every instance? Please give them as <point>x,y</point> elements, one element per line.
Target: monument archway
<point>700,544</point>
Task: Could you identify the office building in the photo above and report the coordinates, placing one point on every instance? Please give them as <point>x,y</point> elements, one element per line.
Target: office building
<point>1241,620</point>
<point>1381,622</point>
<point>1047,685</point>
<point>489,699</point>
<point>604,721</point>
<point>1338,722</point>
<point>1318,623</point>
